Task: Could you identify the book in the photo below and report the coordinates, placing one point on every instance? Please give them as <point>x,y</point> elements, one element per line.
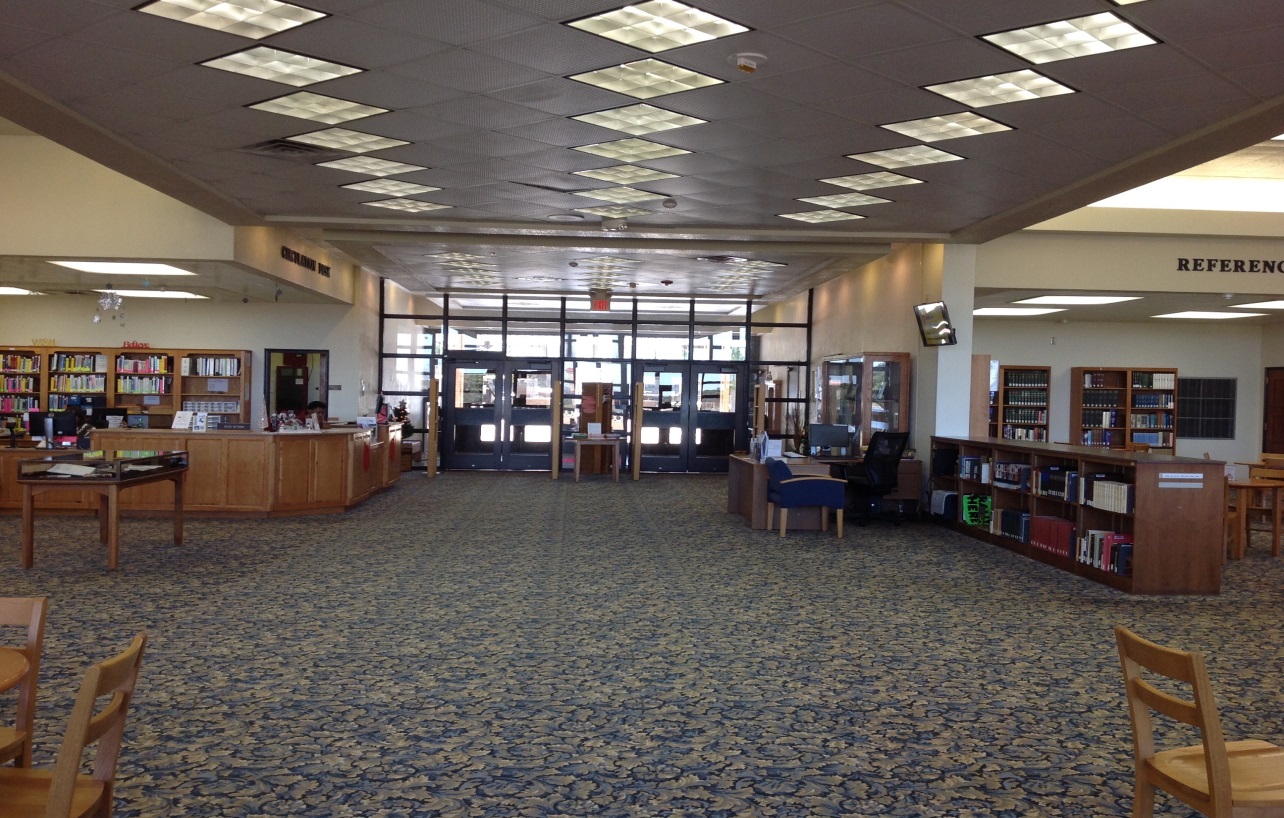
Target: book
<point>182,420</point>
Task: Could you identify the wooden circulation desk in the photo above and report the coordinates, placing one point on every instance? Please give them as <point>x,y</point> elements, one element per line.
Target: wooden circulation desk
<point>241,474</point>
<point>1175,522</point>
<point>747,487</point>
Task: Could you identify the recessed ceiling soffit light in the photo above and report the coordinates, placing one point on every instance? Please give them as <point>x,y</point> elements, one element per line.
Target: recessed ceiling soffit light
<point>613,212</point>
<point>1209,316</point>
<point>152,294</point>
<point>1078,300</point>
<point>281,66</point>
<point>408,205</point>
<point>820,216</point>
<point>620,195</point>
<point>658,25</point>
<point>996,89</point>
<point>317,108</point>
<point>124,268</point>
<point>254,19</point>
<point>390,187</point>
<point>844,200</point>
<point>639,119</point>
<point>871,181</point>
<point>626,174</point>
<point>346,140</point>
<point>905,157</point>
<point>948,126</point>
<point>646,79</point>
<point>1067,39</point>
<point>631,150</point>
<point>370,165</point>
<point>1014,312</point>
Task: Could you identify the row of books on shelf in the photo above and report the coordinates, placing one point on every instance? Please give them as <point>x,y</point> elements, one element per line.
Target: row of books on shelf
<point>1025,378</point>
<point>151,364</point>
<point>143,385</point>
<point>1160,440</point>
<point>1157,400</point>
<point>1105,549</point>
<point>217,367</point>
<point>1102,438</point>
<point>21,383</point>
<point>1103,490</point>
<point>1108,550</point>
<point>78,362</point>
<point>18,404</point>
<point>1101,418</point>
<point>222,407</point>
<point>1153,420</point>
<point>78,383</point>
<point>1016,415</point>
<point>1103,398</point>
<point>1025,397</point>
<point>20,363</point>
<point>1025,433</point>
<point>1154,380</point>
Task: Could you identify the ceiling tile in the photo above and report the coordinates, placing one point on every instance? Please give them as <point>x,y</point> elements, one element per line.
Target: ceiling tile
<point>562,97</point>
<point>457,22</point>
<point>871,29</point>
<point>354,43</point>
<point>484,112</point>
<point>386,90</point>
<point>558,49</point>
<point>468,71</point>
<point>823,82</point>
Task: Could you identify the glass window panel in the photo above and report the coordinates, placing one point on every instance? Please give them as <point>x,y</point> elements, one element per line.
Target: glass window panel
<point>662,391</point>
<point>780,343</point>
<point>601,344</point>
<point>885,395</point>
<point>410,336</point>
<point>474,336</point>
<point>532,388</point>
<point>841,401</point>
<point>664,309</point>
<point>715,343</point>
<point>407,374</point>
<point>580,309</point>
<point>534,339</point>
<point>474,388</point>
<point>717,391</point>
<point>549,309</point>
<point>663,343</point>
<point>472,305</point>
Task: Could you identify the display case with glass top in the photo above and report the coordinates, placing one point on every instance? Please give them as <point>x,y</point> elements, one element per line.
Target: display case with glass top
<point>108,466</point>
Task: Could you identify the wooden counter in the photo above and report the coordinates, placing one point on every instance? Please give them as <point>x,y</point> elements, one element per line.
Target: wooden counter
<point>255,474</point>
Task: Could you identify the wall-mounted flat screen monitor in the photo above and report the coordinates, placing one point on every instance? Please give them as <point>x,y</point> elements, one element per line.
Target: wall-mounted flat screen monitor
<point>934,324</point>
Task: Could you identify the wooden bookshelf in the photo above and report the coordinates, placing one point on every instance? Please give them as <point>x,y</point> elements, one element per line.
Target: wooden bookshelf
<point>216,382</point>
<point>20,382</point>
<point>1077,507</point>
<point>1112,408</point>
<point>1021,407</point>
<point>77,377</point>
<point>144,382</point>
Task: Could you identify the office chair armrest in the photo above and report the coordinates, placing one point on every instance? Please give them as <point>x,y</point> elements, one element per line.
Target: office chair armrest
<point>811,477</point>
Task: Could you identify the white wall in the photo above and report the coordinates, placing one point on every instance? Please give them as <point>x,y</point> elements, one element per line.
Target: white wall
<point>1194,349</point>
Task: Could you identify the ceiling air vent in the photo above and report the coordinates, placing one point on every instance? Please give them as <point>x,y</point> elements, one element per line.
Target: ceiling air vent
<point>285,149</point>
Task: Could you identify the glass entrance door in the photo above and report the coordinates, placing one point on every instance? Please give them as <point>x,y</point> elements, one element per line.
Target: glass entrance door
<point>498,414</point>
<point>691,416</point>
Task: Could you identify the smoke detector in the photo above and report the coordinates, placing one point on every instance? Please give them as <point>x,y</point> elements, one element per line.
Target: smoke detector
<point>747,61</point>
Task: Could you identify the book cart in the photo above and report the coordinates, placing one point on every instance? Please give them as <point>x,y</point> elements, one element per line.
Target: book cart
<point>1113,408</point>
<point>1142,523</point>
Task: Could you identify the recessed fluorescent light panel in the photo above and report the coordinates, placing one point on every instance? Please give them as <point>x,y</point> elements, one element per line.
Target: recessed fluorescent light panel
<point>1077,300</point>
<point>646,79</point>
<point>16,291</point>
<point>1261,305</point>
<point>631,150</point>
<point>390,187</point>
<point>639,119</point>
<point>1067,39</point>
<point>346,140</point>
<point>619,195</point>
<point>871,181</point>
<point>997,89</point>
<point>281,66</point>
<point>456,257</point>
<point>124,268</point>
<point>820,216</point>
<point>613,212</point>
<point>370,165</point>
<point>154,294</point>
<point>1209,316</point>
<point>607,261</point>
<point>949,126</point>
<point>626,174</point>
<point>658,25</point>
<point>1014,312</point>
<point>408,205</point>
<point>844,200</point>
<point>905,157</point>
<point>255,19</point>
<point>317,108</point>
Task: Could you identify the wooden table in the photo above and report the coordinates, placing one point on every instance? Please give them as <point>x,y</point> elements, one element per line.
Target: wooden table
<point>108,491</point>
<point>613,442</point>
<point>13,666</point>
<point>1245,493</point>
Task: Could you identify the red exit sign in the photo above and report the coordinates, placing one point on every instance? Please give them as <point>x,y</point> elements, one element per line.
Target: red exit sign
<point>600,305</point>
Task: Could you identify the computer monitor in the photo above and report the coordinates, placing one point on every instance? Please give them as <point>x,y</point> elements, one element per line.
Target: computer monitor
<point>64,424</point>
<point>101,413</point>
<point>829,436</point>
<point>35,421</point>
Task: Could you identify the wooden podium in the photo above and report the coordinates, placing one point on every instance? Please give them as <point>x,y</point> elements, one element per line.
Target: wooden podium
<point>595,407</point>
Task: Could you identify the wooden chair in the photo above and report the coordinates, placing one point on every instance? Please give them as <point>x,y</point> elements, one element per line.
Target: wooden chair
<point>1142,448</point>
<point>64,792</point>
<point>785,491</point>
<point>1218,778</point>
<point>1232,526</point>
<point>1260,502</point>
<point>28,613</point>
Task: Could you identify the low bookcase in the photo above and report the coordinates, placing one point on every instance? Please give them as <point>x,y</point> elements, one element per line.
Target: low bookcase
<point>1142,523</point>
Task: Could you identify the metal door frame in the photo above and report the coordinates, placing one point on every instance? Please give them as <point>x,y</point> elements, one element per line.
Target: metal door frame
<point>500,414</point>
<point>690,416</point>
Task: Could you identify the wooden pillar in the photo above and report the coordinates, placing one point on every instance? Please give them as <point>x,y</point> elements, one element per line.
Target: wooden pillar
<point>556,443</point>
<point>432,418</point>
<point>636,456</point>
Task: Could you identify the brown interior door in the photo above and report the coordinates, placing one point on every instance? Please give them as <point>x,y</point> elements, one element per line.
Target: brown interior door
<point>1273,433</point>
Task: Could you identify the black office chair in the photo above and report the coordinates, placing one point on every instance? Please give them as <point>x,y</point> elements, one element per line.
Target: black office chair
<point>869,481</point>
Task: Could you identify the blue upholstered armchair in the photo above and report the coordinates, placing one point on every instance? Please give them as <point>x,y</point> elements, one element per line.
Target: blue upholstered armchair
<point>785,491</point>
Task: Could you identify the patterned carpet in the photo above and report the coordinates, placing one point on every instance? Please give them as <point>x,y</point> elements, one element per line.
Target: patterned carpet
<point>509,645</point>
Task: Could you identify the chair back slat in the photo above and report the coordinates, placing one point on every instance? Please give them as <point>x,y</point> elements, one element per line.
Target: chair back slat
<point>27,613</point>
